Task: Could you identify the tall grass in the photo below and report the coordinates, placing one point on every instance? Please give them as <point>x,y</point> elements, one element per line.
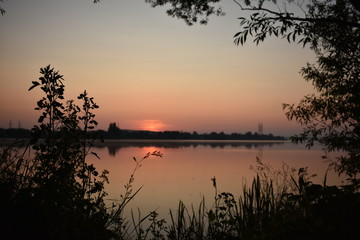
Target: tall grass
<point>280,204</point>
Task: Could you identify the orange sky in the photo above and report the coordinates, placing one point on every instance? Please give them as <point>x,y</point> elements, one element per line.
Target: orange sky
<point>147,70</point>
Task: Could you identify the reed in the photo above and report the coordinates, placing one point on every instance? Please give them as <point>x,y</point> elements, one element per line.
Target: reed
<point>301,210</point>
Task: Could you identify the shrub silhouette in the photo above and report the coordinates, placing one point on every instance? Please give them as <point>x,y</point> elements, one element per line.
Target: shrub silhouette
<point>55,194</point>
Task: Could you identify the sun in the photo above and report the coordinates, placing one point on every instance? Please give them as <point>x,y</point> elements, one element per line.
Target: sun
<point>152,125</point>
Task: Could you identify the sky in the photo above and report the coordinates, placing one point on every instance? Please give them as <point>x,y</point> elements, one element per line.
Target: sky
<point>147,70</point>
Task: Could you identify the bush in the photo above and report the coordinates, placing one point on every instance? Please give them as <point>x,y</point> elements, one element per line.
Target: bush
<point>55,193</point>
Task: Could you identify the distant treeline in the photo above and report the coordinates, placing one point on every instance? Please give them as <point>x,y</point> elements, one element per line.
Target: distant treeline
<point>15,133</point>
<point>116,133</point>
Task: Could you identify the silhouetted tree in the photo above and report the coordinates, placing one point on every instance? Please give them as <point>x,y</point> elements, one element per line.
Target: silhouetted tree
<point>332,117</point>
<point>332,29</point>
<point>114,131</point>
<point>55,194</point>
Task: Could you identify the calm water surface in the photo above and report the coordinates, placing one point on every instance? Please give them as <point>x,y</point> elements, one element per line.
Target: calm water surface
<point>186,168</point>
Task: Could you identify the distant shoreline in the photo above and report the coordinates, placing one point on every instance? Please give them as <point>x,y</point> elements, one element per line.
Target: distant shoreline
<point>106,141</point>
<point>126,135</point>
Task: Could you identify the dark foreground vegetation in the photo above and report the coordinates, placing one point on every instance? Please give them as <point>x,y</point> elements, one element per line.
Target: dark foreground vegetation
<point>53,193</point>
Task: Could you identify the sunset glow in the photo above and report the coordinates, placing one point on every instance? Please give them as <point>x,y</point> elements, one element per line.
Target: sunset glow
<point>146,70</point>
<point>152,125</point>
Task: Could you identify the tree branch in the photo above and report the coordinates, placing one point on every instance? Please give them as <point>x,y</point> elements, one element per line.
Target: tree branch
<point>287,16</point>
<point>317,20</point>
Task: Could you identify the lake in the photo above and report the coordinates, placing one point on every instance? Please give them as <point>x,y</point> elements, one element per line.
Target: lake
<point>186,168</point>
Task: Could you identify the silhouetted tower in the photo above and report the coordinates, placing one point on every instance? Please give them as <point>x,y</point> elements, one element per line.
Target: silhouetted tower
<point>10,124</point>
<point>260,128</point>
